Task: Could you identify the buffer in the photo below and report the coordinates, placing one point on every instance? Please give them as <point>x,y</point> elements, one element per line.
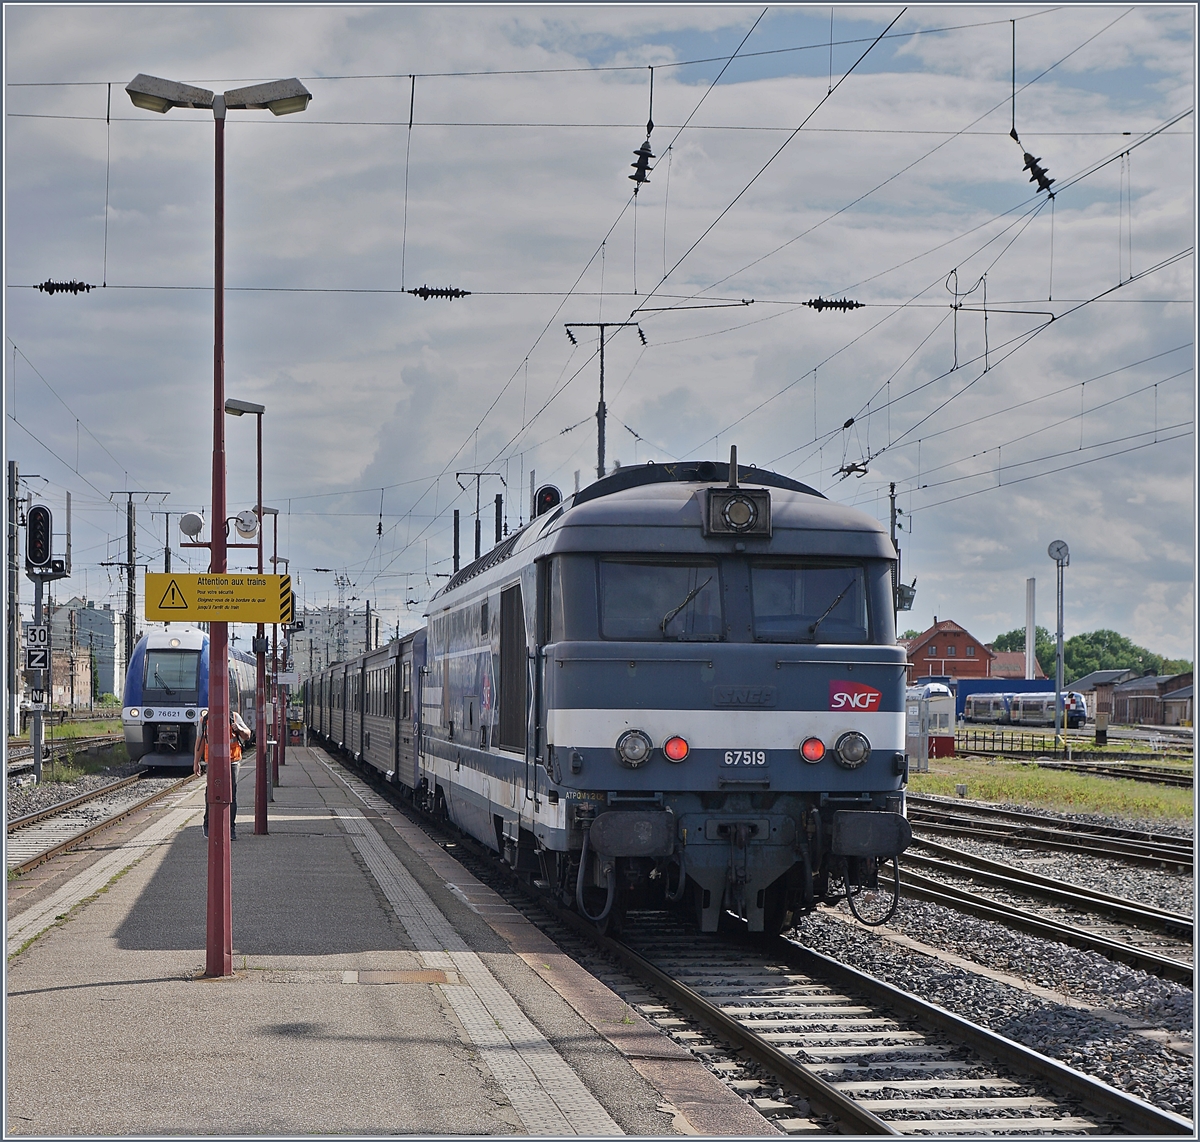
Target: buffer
<point>173,599</point>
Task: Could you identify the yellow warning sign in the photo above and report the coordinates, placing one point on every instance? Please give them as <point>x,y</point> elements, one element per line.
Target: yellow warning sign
<point>219,598</point>
<point>173,599</point>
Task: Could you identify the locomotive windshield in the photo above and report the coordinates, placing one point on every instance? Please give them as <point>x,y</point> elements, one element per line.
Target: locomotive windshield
<point>173,673</point>
<point>798,602</point>
<point>646,601</point>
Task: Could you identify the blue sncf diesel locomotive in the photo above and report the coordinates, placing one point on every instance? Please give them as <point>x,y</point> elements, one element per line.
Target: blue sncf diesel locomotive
<point>680,685</point>
<point>166,691</point>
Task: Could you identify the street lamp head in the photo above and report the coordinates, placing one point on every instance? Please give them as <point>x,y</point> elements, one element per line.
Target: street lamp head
<point>237,407</point>
<point>154,94</point>
<point>268,511</point>
<point>191,524</point>
<point>247,524</point>
<point>280,97</point>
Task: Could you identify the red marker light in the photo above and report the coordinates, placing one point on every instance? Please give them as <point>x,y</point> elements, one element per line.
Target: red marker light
<point>813,749</point>
<point>675,748</point>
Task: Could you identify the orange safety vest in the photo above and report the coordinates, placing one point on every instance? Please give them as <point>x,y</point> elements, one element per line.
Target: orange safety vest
<point>235,743</point>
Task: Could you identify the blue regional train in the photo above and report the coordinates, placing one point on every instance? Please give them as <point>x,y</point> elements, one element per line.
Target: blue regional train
<point>166,691</point>
<point>672,687</point>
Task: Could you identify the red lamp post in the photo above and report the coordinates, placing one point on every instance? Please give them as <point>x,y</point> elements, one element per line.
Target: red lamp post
<point>282,97</point>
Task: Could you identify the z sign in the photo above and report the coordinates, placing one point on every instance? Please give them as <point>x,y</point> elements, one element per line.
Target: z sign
<point>853,696</point>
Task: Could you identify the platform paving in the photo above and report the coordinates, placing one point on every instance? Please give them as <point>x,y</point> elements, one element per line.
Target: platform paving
<point>379,989</point>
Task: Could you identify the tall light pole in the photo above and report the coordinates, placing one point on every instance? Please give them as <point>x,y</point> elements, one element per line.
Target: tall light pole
<point>1061,554</point>
<point>272,778</point>
<point>281,97</point>
<point>235,407</point>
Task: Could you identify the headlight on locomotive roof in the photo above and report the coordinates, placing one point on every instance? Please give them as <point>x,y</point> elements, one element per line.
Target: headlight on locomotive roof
<point>633,748</point>
<point>676,748</point>
<point>812,750</point>
<point>740,513</point>
<point>852,750</point>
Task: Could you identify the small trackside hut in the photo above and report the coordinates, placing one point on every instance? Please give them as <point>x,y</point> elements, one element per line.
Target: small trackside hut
<point>680,685</point>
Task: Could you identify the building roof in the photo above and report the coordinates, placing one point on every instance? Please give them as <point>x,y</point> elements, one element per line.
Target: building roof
<point>948,626</point>
<point>1178,695</point>
<point>1011,664</point>
<point>1100,678</point>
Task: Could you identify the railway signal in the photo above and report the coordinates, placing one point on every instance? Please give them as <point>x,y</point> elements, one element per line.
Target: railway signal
<point>39,544</point>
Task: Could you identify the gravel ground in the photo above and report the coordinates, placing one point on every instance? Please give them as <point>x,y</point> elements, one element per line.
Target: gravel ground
<point>1160,887</point>
<point>1078,1038</point>
<point>22,799</point>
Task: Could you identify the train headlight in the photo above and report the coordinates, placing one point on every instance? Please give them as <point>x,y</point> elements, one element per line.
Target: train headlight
<point>633,748</point>
<point>740,513</point>
<point>134,712</point>
<point>852,750</point>
<point>149,713</point>
<point>191,713</point>
<point>812,750</point>
<point>675,749</point>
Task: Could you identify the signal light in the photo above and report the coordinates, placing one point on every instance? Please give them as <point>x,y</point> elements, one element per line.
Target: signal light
<point>39,538</point>
<point>545,498</point>
<point>812,750</point>
<point>642,168</point>
<point>676,749</point>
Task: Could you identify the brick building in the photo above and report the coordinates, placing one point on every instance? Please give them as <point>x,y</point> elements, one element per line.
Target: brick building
<point>1011,664</point>
<point>948,650</point>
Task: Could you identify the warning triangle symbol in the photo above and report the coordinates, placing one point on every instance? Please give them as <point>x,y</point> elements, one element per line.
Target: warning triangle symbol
<point>173,599</point>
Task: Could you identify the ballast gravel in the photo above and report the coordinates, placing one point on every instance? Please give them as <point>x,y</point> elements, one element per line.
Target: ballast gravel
<point>28,798</point>
<point>1078,1038</point>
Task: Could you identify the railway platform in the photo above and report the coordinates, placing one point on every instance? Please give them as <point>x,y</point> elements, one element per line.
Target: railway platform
<point>380,989</point>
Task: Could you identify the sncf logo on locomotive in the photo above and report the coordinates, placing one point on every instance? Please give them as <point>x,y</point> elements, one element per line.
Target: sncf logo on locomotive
<point>743,695</point>
<point>853,696</point>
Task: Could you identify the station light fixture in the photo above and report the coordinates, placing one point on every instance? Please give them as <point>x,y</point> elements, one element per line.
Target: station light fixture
<point>236,407</point>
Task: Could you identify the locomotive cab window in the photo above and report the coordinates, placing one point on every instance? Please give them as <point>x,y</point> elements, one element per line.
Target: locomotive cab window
<point>173,674</point>
<point>656,602</point>
<point>809,602</point>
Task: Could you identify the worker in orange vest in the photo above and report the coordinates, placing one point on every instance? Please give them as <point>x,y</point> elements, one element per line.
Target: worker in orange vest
<point>239,733</point>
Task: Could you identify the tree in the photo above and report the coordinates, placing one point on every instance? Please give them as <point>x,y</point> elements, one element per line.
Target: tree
<point>1044,646</point>
<point>1108,650</point>
<point>911,634</point>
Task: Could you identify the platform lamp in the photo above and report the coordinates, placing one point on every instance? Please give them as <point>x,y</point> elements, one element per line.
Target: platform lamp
<point>262,788</point>
<point>281,97</point>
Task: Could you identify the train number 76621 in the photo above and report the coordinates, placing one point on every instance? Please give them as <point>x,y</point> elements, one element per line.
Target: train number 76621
<point>745,757</point>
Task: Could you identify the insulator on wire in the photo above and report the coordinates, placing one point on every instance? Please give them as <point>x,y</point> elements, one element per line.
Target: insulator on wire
<point>642,335</point>
<point>65,287</point>
<point>571,336</point>
<point>819,303</point>
<point>426,292</point>
<point>1038,173</point>
<point>642,167</point>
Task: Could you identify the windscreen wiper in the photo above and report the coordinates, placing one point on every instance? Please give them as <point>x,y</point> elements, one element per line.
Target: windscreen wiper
<point>158,679</point>
<point>686,599</point>
<point>812,630</point>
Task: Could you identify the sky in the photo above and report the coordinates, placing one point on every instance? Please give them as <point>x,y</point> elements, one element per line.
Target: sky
<point>1021,368</point>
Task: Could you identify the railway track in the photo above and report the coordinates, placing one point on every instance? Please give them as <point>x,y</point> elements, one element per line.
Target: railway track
<point>930,816</point>
<point>37,837</point>
<point>20,753</point>
<point>1155,774</point>
<point>823,1047</point>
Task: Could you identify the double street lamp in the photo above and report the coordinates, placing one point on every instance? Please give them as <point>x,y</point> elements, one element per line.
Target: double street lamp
<point>281,97</point>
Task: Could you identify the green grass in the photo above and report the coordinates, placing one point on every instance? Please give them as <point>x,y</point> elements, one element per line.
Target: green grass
<point>76,765</point>
<point>1021,783</point>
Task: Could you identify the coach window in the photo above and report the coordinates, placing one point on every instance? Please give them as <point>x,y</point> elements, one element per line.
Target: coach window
<point>406,691</point>
<point>513,678</point>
